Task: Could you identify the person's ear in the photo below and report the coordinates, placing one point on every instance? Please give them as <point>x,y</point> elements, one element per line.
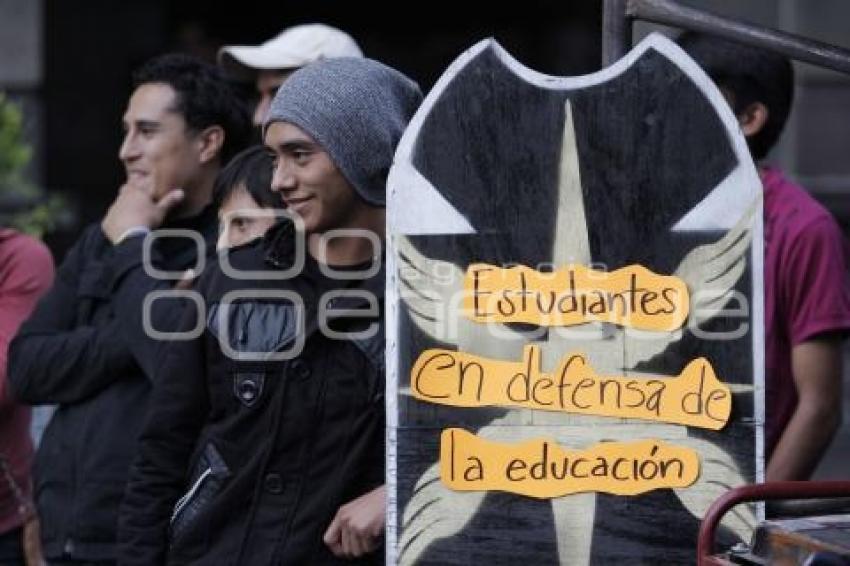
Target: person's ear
<point>211,141</point>
<point>753,118</point>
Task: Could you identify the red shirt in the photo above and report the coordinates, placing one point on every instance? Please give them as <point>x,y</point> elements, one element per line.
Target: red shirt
<point>26,272</point>
<point>806,288</point>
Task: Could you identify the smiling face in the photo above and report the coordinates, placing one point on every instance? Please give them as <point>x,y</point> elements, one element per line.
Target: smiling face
<point>159,152</point>
<point>309,183</point>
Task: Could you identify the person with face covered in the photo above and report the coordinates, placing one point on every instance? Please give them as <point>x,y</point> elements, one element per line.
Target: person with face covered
<point>247,207</point>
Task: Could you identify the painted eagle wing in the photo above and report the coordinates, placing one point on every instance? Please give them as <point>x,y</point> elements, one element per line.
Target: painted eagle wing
<point>710,272</point>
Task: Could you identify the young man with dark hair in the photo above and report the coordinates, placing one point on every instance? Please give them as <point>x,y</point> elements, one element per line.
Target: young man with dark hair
<point>807,303</point>
<point>202,97</point>
<point>282,429</point>
<point>85,348</point>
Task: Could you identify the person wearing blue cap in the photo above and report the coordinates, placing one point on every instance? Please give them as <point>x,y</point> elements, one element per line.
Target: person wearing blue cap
<point>266,441</point>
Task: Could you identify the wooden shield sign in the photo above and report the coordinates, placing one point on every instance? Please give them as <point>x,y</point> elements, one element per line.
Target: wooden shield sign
<point>574,347</point>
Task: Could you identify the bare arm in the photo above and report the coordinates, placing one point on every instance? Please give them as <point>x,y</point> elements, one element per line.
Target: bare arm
<point>816,365</point>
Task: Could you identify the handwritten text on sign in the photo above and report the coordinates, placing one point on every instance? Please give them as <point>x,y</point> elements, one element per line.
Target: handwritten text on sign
<point>695,398</point>
<point>542,469</point>
<point>631,296</point>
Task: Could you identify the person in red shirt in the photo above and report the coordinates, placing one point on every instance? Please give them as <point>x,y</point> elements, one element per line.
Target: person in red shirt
<point>26,271</point>
<point>806,291</point>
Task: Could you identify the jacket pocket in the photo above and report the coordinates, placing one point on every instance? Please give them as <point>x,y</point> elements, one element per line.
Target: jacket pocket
<point>209,476</point>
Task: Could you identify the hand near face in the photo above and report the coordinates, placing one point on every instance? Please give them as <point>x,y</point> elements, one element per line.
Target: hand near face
<point>136,207</point>
<point>358,525</point>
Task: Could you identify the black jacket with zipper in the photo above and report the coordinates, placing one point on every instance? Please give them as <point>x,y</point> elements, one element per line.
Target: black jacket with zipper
<point>85,349</point>
<point>246,461</point>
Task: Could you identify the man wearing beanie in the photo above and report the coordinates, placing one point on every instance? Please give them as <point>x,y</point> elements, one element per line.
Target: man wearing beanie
<point>269,64</point>
<point>266,444</point>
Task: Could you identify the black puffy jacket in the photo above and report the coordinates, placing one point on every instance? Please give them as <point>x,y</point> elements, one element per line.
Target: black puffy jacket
<point>246,461</point>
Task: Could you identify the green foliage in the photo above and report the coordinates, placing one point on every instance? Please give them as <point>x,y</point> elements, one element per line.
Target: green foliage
<point>14,154</point>
<point>41,218</point>
<point>34,212</point>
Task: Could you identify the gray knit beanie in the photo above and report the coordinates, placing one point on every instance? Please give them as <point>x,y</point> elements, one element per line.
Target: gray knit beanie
<point>356,109</point>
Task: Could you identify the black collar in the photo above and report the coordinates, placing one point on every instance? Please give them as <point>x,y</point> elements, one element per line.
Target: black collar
<point>278,247</point>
